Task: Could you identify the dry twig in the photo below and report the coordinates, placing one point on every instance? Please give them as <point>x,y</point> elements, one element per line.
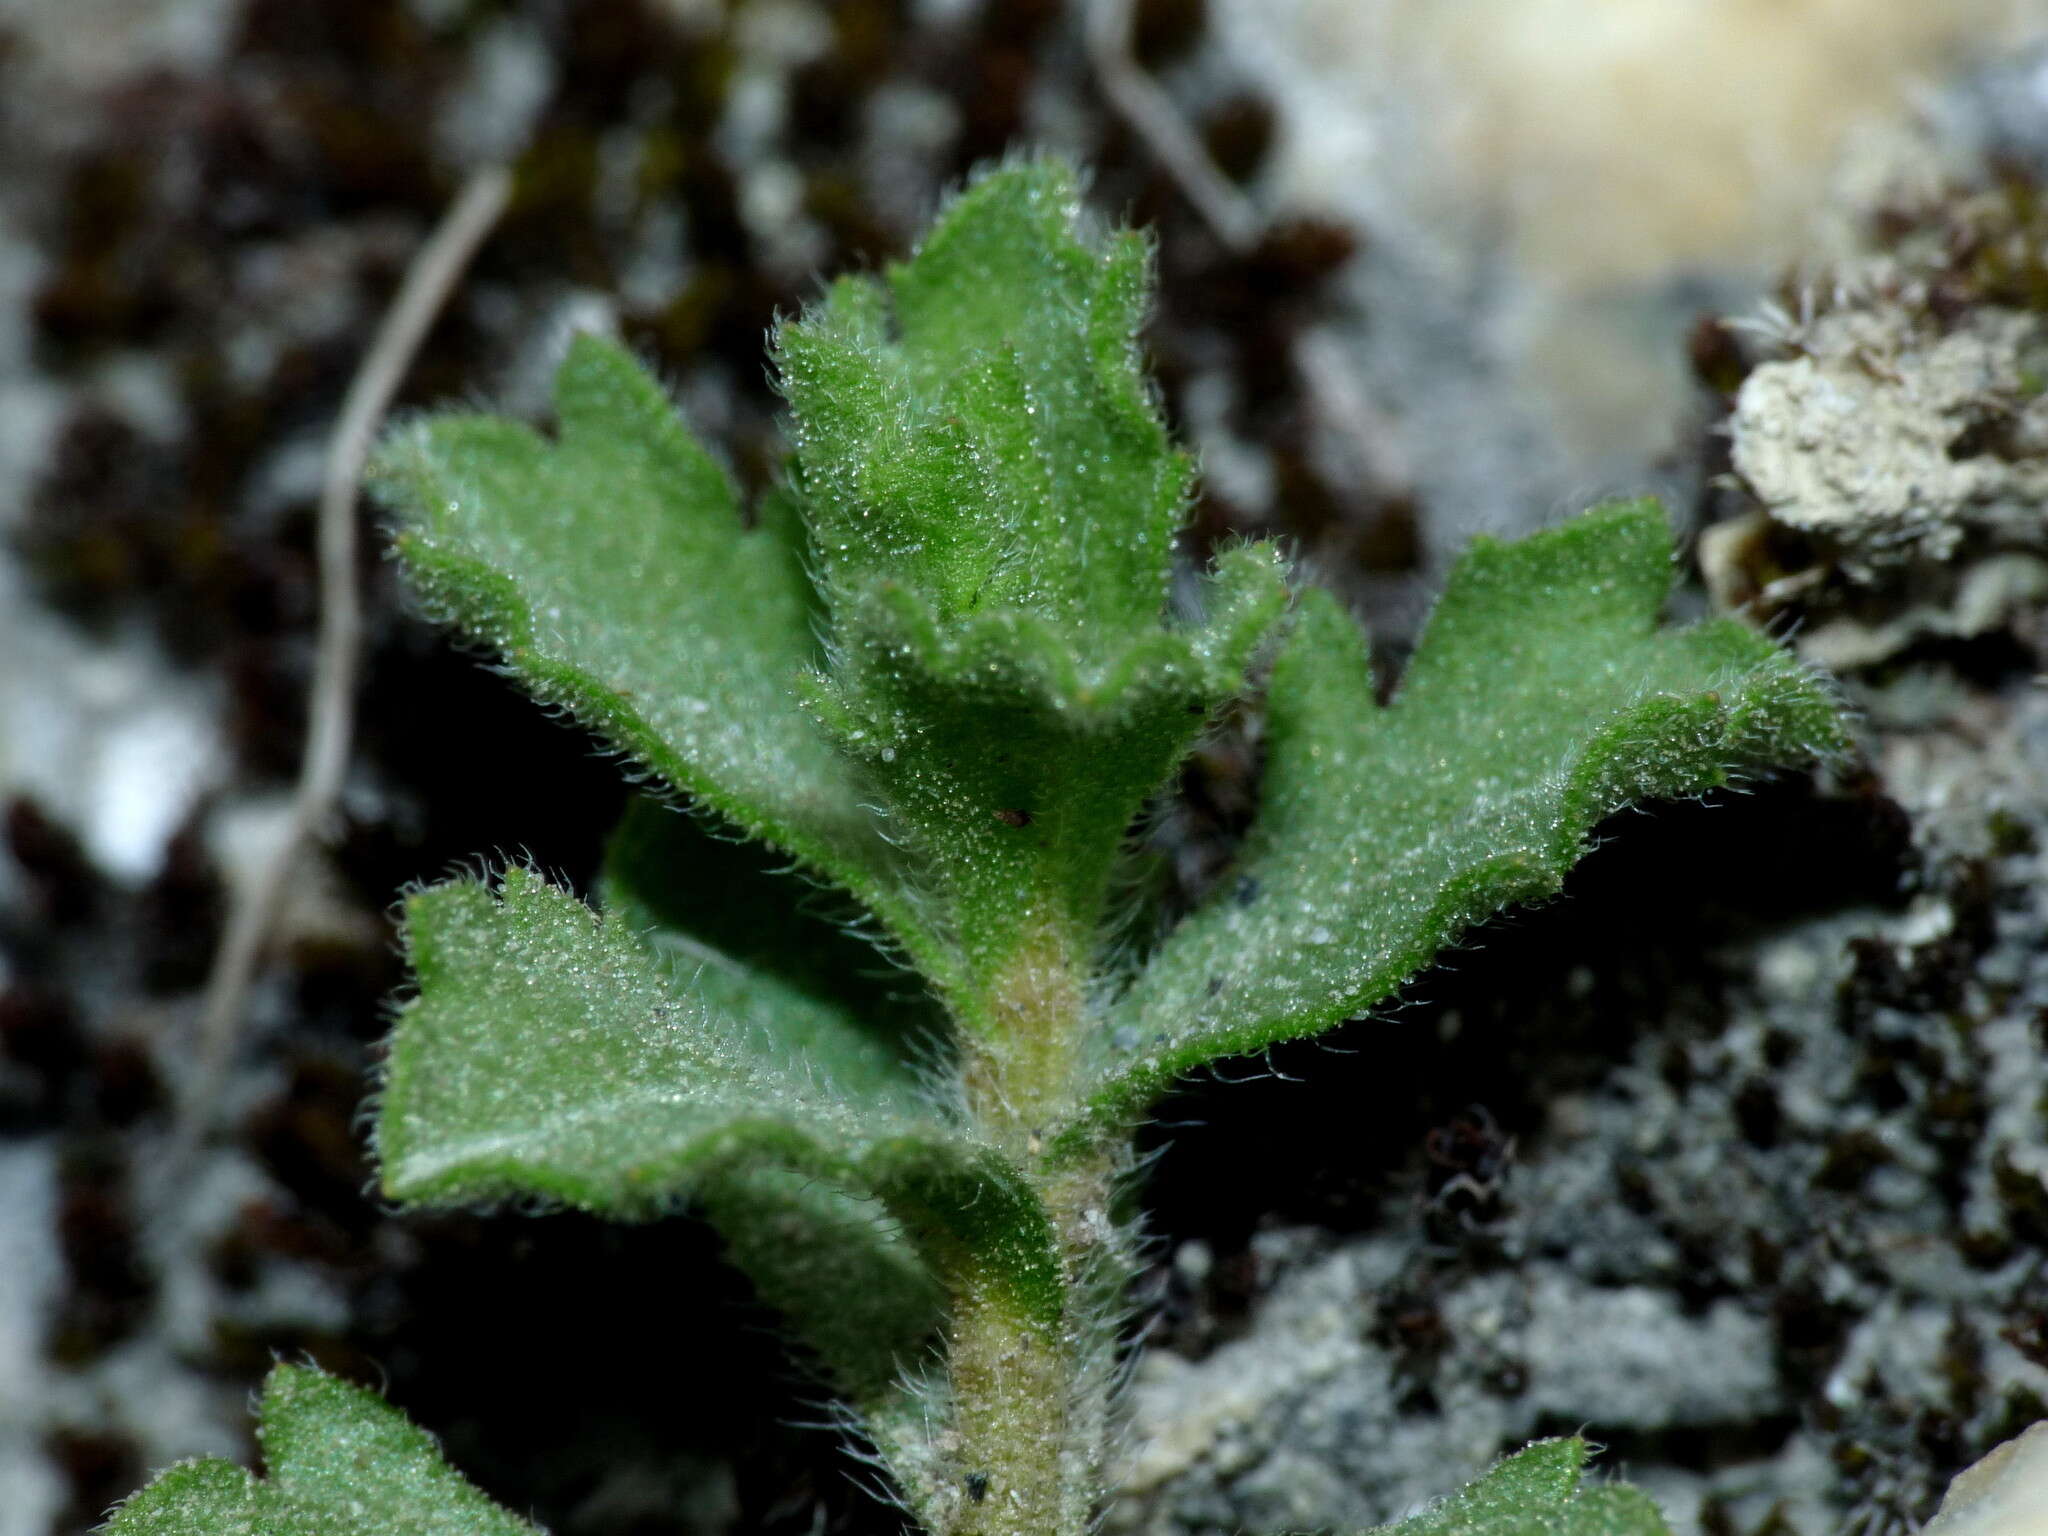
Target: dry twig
<point>1330,379</point>
<point>331,701</point>
<point>1148,109</point>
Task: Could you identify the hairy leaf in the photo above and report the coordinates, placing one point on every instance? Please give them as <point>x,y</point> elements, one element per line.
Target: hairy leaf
<point>341,1462</point>
<point>1544,697</point>
<point>1537,1493</point>
<point>978,425</point>
<point>1013,766</point>
<point>722,922</point>
<point>836,1266</point>
<point>553,1054</point>
<point>992,500</point>
<point>725,916</point>
<point>612,571</point>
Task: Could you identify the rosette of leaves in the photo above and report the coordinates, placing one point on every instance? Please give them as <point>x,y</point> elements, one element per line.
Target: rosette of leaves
<point>941,670</point>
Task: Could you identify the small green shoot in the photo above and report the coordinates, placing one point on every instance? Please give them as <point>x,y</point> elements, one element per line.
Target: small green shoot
<point>941,669</point>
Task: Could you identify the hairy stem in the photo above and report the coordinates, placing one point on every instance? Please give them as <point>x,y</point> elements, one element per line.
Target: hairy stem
<point>1031,1404</point>
<point>1032,1411</point>
<point>1011,1387</point>
<point>1019,1072</point>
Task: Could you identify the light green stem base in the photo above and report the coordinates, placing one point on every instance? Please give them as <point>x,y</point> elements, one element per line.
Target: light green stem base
<point>1031,1407</point>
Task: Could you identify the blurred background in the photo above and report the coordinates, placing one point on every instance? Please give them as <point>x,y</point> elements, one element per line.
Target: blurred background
<point>1425,270</point>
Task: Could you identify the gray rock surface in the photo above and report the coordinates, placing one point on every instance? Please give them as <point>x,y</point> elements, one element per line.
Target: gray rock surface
<point>1800,1209</point>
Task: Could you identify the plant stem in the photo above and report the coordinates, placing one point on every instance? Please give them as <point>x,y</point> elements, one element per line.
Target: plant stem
<point>1019,1071</point>
<point>1031,1404</point>
<point>1011,1392</point>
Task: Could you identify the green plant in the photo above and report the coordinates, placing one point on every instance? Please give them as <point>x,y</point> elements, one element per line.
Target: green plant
<point>942,669</point>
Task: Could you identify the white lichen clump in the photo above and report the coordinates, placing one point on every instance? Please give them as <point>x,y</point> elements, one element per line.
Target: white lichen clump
<point>1877,437</point>
<point>1897,453</point>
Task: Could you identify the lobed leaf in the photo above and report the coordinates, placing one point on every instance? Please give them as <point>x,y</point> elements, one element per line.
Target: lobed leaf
<point>992,499</point>
<point>1012,767</point>
<point>837,1267</point>
<point>1543,697</point>
<point>977,423</point>
<point>1537,1492</point>
<point>612,571</point>
<point>725,921</point>
<point>553,1054</point>
<point>341,1462</point>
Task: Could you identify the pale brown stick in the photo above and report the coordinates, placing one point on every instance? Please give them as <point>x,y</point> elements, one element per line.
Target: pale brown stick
<point>1148,109</point>
<point>1330,379</point>
<point>429,280</point>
